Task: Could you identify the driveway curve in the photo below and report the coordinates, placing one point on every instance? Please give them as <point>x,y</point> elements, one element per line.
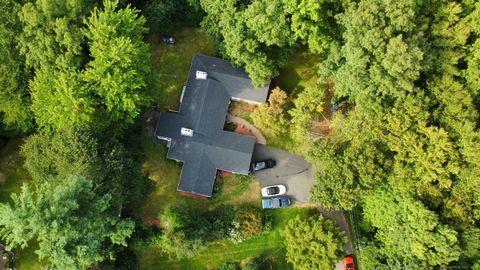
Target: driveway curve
<point>240,121</point>
<point>296,174</point>
<point>291,170</point>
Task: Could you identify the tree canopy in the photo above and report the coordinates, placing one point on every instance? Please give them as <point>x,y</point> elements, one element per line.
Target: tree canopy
<point>14,97</point>
<point>314,243</point>
<point>70,222</point>
<point>261,34</point>
<point>411,128</point>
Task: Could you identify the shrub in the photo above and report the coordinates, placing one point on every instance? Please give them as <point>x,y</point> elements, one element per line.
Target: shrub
<point>177,244</point>
<point>228,266</point>
<point>313,243</point>
<point>250,221</point>
<point>221,221</point>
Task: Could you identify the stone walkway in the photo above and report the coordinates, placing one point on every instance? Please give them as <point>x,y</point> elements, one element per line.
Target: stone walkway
<point>239,121</point>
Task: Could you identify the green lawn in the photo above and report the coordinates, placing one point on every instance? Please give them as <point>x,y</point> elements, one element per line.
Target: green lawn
<point>172,62</point>
<point>165,173</point>
<point>12,173</point>
<point>269,246</point>
<point>299,72</point>
<point>171,65</point>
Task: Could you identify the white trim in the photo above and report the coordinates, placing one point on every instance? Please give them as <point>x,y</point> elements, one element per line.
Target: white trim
<point>246,100</point>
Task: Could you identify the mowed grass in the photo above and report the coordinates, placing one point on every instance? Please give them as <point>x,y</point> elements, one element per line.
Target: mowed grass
<point>172,62</point>
<point>165,173</point>
<point>268,246</point>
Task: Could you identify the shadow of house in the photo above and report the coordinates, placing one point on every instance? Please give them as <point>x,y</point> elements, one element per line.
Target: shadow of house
<point>194,135</point>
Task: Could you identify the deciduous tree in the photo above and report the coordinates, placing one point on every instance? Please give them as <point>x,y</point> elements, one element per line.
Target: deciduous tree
<point>314,243</point>
<point>271,118</point>
<point>71,223</point>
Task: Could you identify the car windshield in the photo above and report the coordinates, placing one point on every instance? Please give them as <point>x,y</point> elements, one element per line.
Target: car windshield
<point>259,165</point>
<point>273,190</point>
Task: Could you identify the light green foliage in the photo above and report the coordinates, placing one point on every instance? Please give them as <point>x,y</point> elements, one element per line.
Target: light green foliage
<point>472,73</point>
<point>313,22</point>
<point>269,23</point>
<point>58,155</point>
<point>60,100</point>
<point>350,162</point>
<point>418,236</point>
<point>186,231</point>
<point>72,225</point>
<point>271,117</point>
<point>121,82</point>
<point>52,33</point>
<point>471,243</point>
<point>314,243</point>
<point>109,92</point>
<point>307,106</point>
<point>226,24</point>
<point>14,100</point>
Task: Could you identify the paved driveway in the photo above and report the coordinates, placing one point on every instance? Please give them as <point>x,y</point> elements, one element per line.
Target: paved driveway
<point>291,170</point>
<point>296,174</point>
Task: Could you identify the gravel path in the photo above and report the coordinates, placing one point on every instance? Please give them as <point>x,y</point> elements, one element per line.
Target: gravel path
<point>260,138</point>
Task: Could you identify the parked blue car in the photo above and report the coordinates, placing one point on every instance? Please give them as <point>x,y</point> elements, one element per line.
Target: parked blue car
<point>279,202</point>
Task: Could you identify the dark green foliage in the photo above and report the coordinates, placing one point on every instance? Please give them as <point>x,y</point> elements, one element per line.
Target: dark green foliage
<point>165,14</point>
<point>57,155</point>
<point>314,243</point>
<point>125,259</point>
<point>72,225</point>
<point>186,230</point>
<point>228,266</point>
<point>260,34</point>
<point>144,235</point>
<point>413,129</point>
<point>221,221</point>
<point>230,126</point>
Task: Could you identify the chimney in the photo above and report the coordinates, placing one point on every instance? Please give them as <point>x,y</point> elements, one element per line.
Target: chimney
<point>201,75</point>
<point>186,132</point>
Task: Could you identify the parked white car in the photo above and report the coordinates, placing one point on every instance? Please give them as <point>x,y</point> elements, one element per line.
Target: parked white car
<point>275,190</point>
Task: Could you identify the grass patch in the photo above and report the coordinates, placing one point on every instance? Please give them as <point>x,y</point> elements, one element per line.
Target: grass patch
<point>12,173</point>
<point>172,63</point>
<point>300,72</point>
<point>12,177</point>
<point>268,246</point>
<point>165,173</point>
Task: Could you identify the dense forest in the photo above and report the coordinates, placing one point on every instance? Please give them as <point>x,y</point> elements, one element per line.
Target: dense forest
<point>402,154</point>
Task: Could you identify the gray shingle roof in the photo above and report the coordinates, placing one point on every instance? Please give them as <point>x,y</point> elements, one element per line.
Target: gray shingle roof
<point>203,109</point>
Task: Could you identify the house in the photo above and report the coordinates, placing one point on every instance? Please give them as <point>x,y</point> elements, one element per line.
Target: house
<point>195,135</point>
